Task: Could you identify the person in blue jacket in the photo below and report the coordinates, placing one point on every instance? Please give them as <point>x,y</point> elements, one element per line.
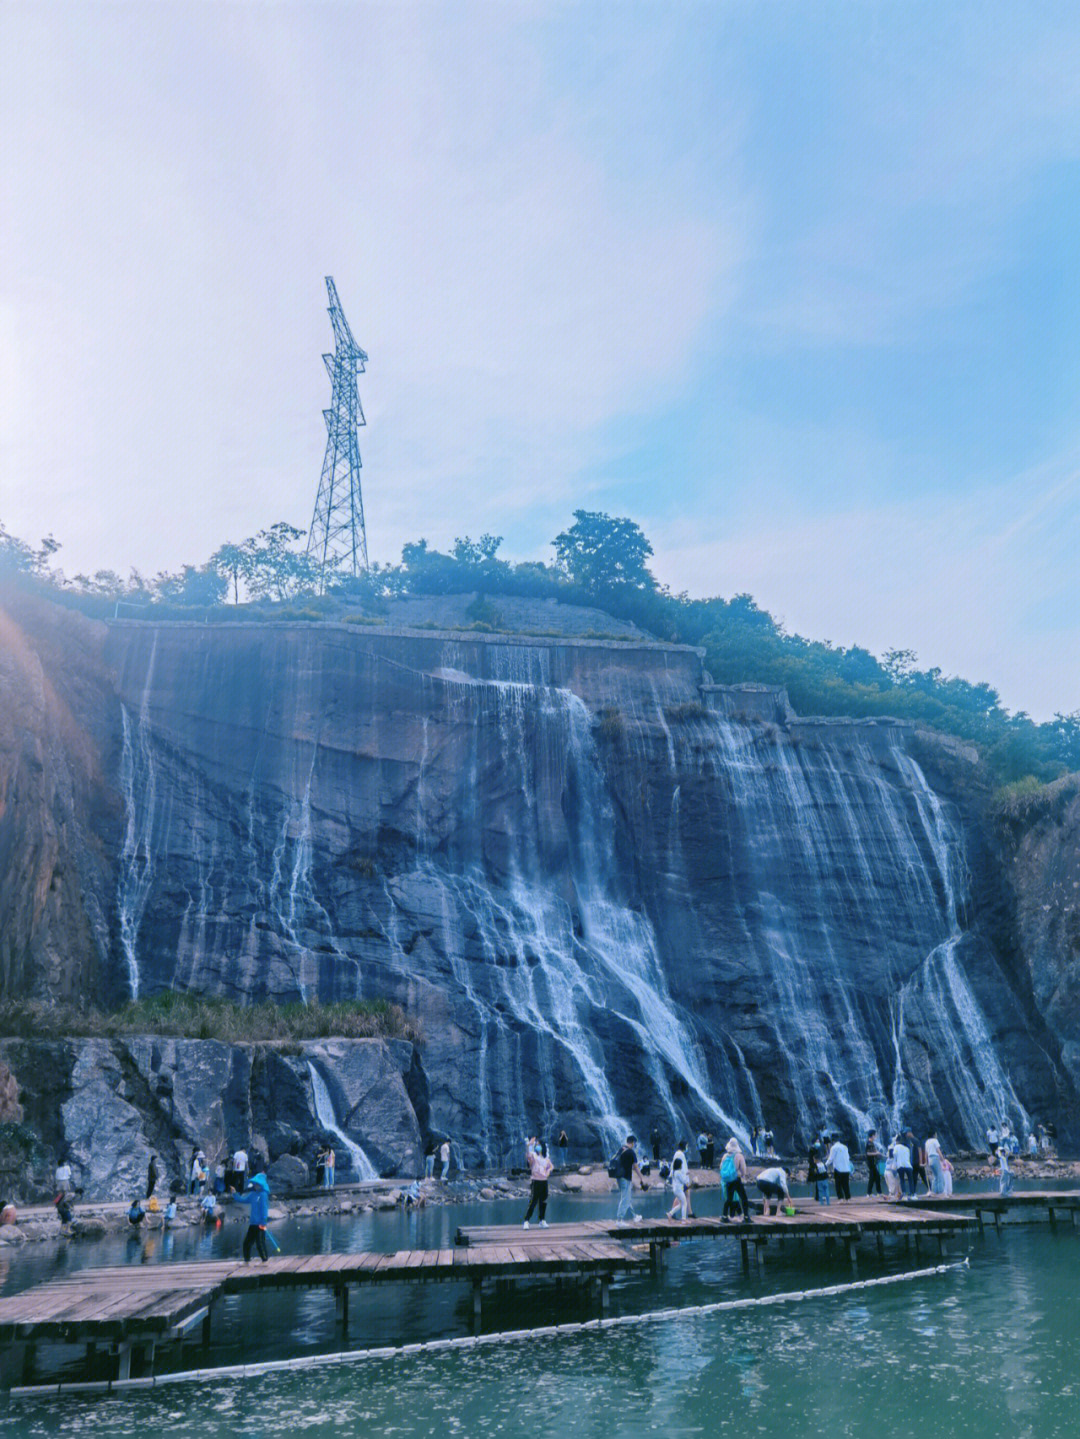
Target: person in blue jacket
<point>257,1195</point>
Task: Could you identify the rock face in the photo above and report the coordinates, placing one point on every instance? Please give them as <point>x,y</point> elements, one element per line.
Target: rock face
<point>107,1105</point>
<point>610,892</point>
<point>1040,848</point>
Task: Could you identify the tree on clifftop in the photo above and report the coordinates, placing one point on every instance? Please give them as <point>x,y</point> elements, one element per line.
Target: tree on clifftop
<point>603,554</point>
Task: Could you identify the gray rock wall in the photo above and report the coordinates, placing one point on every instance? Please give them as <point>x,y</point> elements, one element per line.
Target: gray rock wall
<point>108,1104</point>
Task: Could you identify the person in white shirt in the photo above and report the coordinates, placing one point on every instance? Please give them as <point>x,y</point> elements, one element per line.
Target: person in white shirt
<point>936,1162</point>
<point>1004,1173</point>
<point>1033,1146</point>
<point>680,1180</point>
<point>838,1162</point>
<point>240,1164</point>
<point>892,1176</point>
<point>444,1159</point>
<point>903,1167</point>
<point>992,1139</point>
<point>63,1177</point>
<point>773,1185</point>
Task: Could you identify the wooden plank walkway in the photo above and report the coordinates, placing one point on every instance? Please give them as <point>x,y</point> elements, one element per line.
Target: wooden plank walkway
<point>1020,1205</point>
<point>850,1219</point>
<point>95,1305</point>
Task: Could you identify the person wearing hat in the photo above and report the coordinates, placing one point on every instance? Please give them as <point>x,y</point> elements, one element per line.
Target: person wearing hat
<point>257,1195</point>
<point>733,1174</point>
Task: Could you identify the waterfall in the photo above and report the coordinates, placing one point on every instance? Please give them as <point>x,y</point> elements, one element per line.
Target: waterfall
<point>324,1109</point>
<point>138,786</point>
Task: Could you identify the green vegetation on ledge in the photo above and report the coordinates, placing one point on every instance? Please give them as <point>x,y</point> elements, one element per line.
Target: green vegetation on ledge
<point>601,562</point>
<point>189,1016</point>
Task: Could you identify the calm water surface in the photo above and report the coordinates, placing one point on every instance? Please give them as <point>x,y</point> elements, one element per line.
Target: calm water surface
<point>993,1350</point>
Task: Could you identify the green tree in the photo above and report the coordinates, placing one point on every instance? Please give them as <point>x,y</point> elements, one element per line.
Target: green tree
<point>604,554</point>
<point>277,570</point>
<point>234,563</point>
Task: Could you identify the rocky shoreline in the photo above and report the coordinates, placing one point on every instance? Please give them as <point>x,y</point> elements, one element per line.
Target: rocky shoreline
<point>95,1220</point>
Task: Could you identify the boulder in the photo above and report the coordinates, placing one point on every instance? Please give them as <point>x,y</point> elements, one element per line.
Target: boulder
<point>288,1174</point>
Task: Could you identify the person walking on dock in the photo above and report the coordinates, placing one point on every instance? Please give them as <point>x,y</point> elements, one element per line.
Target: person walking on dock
<point>623,1168</point>
<point>773,1184</point>
<point>257,1196</point>
<point>918,1163</point>
<point>680,1180</point>
<point>874,1156</point>
<point>540,1167</point>
<point>839,1165</point>
<point>733,1175</point>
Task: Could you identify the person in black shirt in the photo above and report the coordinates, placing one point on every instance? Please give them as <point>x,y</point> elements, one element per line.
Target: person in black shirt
<point>655,1139</point>
<point>874,1157</point>
<point>626,1166</point>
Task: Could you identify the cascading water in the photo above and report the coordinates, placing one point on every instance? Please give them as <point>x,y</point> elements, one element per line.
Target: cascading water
<point>138,785</point>
<point>602,915</point>
<point>324,1109</point>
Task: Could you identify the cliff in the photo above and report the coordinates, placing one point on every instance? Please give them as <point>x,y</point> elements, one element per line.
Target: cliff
<point>609,891</point>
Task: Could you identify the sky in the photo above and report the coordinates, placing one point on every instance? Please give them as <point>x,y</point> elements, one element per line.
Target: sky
<point>793,285</point>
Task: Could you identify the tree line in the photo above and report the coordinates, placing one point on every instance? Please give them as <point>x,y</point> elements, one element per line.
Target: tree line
<point>600,561</point>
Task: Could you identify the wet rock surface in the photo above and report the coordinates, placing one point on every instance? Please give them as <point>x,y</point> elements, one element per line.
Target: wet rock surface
<point>610,893</point>
<point>108,1105</point>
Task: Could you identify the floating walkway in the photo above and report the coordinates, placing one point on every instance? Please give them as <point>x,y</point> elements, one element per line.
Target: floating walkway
<point>845,1221</point>
<point>132,1309</point>
<point>1025,1206</point>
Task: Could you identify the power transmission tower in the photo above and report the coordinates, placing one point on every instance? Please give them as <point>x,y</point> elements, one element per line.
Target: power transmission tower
<point>337,540</point>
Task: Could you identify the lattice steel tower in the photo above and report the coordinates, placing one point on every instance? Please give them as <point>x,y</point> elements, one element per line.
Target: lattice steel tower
<point>337,540</point>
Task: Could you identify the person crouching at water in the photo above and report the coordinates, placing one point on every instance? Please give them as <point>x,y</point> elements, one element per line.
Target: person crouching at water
<point>773,1185</point>
<point>680,1180</point>
<point>540,1167</point>
<point>257,1195</point>
<point>733,1177</point>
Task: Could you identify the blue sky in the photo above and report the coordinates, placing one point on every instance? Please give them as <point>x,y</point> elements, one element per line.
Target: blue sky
<point>793,285</point>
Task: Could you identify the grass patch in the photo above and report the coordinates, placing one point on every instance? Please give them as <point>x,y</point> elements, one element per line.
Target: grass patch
<point>686,713</point>
<point>191,1016</point>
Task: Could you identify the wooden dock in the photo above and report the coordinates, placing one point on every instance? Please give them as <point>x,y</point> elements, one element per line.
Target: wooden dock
<point>1025,1206</point>
<point>847,1222</point>
<point>132,1309</point>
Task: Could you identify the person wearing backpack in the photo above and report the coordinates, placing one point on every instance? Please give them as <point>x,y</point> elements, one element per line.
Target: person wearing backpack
<point>623,1168</point>
<point>680,1184</point>
<point>733,1178</point>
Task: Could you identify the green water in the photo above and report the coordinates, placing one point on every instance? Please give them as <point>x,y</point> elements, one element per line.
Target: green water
<point>990,1350</point>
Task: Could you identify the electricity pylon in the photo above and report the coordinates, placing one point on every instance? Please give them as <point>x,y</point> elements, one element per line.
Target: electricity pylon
<point>337,540</point>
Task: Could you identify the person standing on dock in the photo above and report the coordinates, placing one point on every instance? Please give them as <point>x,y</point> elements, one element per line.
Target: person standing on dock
<point>733,1174</point>
<point>625,1167</point>
<point>838,1164</point>
<point>903,1166</point>
<point>540,1167</point>
<point>936,1161</point>
<point>918,1163</point>
<point>1004,1173</point>
<point>257,1196</point>
<point>874,1156</point>
<point>817,1175</point>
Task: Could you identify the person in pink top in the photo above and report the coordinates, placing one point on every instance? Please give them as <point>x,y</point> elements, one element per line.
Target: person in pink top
<point>540,1167</point>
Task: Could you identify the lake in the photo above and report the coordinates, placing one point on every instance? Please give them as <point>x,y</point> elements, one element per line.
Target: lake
<point>988,1350</point>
